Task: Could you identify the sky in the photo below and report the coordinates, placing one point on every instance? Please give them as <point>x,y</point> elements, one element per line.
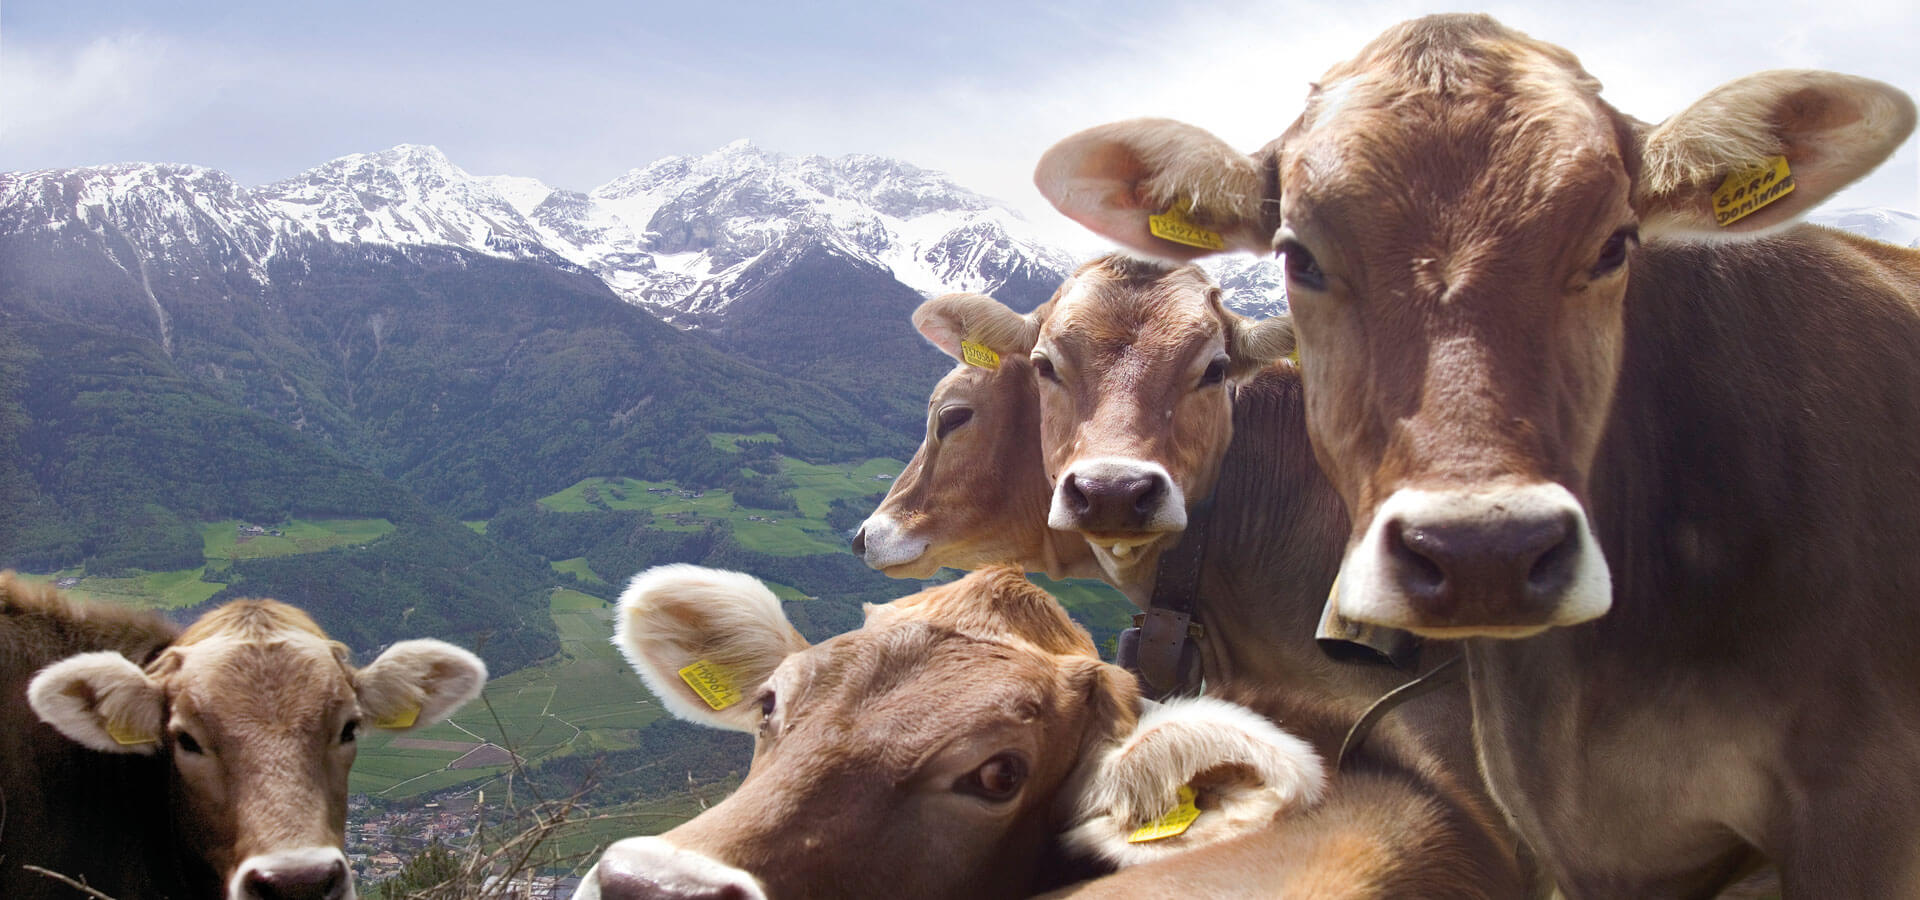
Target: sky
<point>576,93</point>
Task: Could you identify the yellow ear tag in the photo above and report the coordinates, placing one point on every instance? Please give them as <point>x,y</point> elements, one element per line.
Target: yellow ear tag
<point>1746,191</point>
<point>402,719</point>
<point>979,355</point>
<point>1294,357</point>
<point>126,738</point>
<point>1173,225</point>
<point>713,683</point>
<point>1174,822</point>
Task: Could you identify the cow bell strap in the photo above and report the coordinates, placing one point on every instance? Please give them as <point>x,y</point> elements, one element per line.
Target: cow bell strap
<point>1168,659</point>
<point>1440,676</point>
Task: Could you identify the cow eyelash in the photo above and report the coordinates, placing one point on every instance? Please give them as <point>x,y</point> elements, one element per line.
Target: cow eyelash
<point>951,418</point>
<point>1614,254</point>
<point>1302,268</point>
<point>1216,372</point>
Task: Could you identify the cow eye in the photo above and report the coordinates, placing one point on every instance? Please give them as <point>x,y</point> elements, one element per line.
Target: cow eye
<point>1216,372</point>
<point>1302,268</point>
<point>767,703</point>
<point>950,418</point>
<point>997,779</point>
<point>348,733</point>
<point>1614,254</point>
<point>186,743</point>
<point>1043,367</point>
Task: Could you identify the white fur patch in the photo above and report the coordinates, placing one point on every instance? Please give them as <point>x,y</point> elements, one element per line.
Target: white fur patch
<point>888,545</point>
<point>91,697</point>
<point>419,682</point>
<point>655,867</point>
<point>284,861</point>
<point>1135,781</point>
<point>671,616</point>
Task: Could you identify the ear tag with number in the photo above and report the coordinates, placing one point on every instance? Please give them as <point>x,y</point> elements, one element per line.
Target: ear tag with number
<point>1173,225</point>
<point>713,683</point>
<point>1174,822</point>
<point>1746,191</point>
<point>979,355</point>
<point>402,719</point>
<point>127,737</point>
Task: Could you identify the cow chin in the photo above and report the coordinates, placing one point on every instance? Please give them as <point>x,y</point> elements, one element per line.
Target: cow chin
<point>650,868</point>
<point>1507,562</point>
<point>310,873</point>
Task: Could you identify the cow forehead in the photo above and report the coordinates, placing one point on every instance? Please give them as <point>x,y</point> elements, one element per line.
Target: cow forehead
<point>1106,314</point>
<point>1454,123</point>
<point>293,679</point>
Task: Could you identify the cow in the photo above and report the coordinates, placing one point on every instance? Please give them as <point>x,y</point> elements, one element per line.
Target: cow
<point>147,761</point>
<point>967,741</point>
<point>1597,405</point>
<point>975,493</point>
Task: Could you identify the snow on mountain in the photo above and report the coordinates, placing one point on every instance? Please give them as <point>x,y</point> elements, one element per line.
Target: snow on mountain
<point>677,235</point>
<point>1879,223</point>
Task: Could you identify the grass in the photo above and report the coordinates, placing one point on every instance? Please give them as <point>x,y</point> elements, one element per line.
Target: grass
<point>479,526</point>
<point>731,442</point>
<point>223,540</point>
<point>776,532</point>
<point>147,590</point>
<point>585,699</point>
<point>578,568</point>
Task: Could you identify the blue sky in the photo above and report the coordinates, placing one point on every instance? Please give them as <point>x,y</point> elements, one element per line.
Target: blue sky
<point>576,93</point>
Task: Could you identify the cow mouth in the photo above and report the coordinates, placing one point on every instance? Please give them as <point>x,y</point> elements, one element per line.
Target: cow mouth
<point>1124,544</point>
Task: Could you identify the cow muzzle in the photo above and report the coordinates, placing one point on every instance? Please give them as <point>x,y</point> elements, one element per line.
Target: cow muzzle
<point>1114,496</point>
<point>311,873</point>
<point>1508,562</point>
<point>650,868</point>
<point>883,544</point>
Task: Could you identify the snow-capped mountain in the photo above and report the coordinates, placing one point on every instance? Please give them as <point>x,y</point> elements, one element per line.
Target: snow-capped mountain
<point>1890,225</point>
<point>674,235</point>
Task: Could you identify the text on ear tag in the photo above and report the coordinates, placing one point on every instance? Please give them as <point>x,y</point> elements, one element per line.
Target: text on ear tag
<point>713,683</point>
<point>129,738</point>
<point>402,719</point>
<point>1174,822</point>
<point>979,355</point>
<point>1173,225</point>
<point>1747,190</point>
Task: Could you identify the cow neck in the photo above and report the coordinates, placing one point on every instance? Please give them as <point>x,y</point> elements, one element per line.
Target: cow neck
<point>1168,649</point>
<point>1442,675</point>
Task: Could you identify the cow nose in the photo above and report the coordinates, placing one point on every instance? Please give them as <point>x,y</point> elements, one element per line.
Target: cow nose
<point>302,879</point>
<point>1120,502</point>
<point>860,541</point>
<point>653,869</point>
<point>1483,562</point>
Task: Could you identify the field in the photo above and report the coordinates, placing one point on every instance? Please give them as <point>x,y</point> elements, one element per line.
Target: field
<point>585,699</point>
<point>224,542</point>
<point>775,532</point>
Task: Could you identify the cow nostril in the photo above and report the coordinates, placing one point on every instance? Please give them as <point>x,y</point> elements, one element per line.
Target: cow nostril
<point>1552,571</point>
<point>1150,491</point>
<point>1414,566</point>
<point>860,541</point>
<point>1076,499</point>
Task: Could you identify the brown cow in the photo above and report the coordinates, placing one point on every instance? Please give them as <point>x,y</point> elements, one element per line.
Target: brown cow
<point>205,763</point>
<point>972,495</point>
<point>1498,371</point>
<point>949,746</point>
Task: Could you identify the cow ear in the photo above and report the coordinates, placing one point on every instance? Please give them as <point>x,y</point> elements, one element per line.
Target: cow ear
<point>704,641</point>
<point>100,700</point>
<point>417,683</point>
<point>1256,344</point>
<point>947,320</point>
<point>1759,152</point>
<point>1240,768</point>
<point>1159,187</point>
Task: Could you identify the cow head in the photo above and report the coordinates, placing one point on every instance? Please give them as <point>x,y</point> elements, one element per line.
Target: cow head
<point>976,491</point>
<point>1134,361</point>
<point>938,751</point>
<point>1459,212</point>
<point>257,713</point>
